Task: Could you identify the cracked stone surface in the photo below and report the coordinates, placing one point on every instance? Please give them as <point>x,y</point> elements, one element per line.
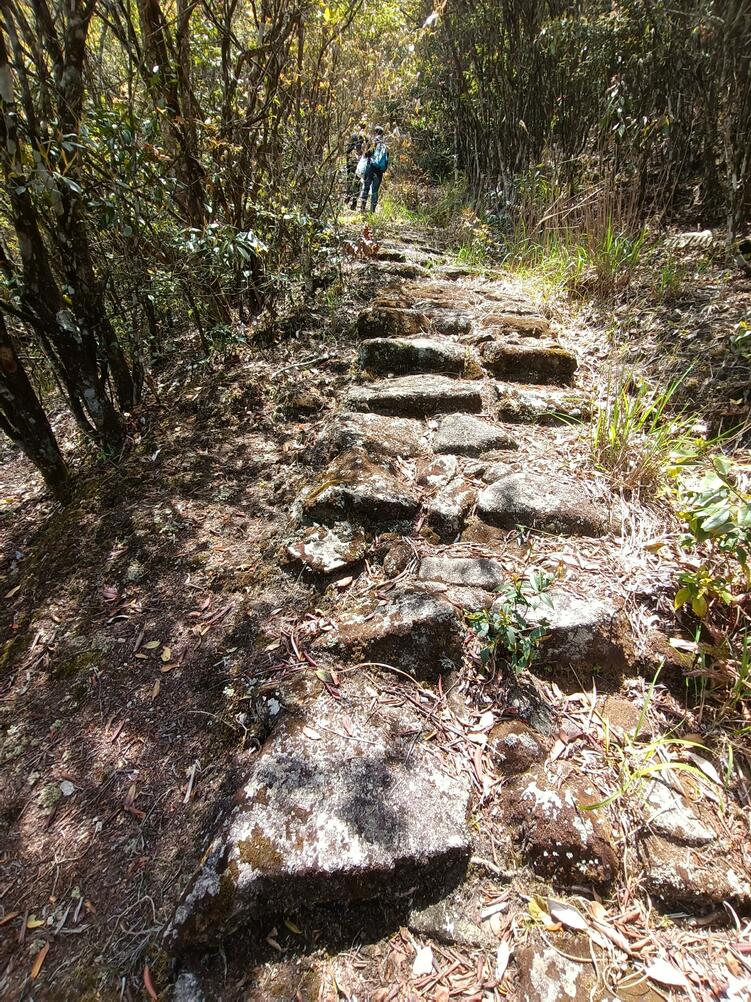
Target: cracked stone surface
<point>386,436</point>
<point>354,488</point>
<point>540,405</point>
<point>688,876</point>
<point>411,355</point>
<point>330,816</point>
<point>530,363</point>
<point>539,502</point>
<point>584,632</point>
<point>417,396</point>
<point>417,633</point>
<point>466,435</point>
<point>515,747</point>
<point>527,324</point>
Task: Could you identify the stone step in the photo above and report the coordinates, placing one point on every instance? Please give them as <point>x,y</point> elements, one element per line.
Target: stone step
<point>447,511</point>
<point>541,405</point>
<point>417,396</point>
<point>467,572</point>
<point>353,488</point>
<point>543,365</point>
<point>535,501</point>
<point>517,321</point>
<point>391,321</point>
<point>465,435</point>
<point>377,434</point>
<point>415,633</point>
<point>412,355</point>
<point>330,814</point>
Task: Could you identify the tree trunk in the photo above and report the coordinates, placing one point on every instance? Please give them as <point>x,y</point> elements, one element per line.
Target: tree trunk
<point>23,419</point>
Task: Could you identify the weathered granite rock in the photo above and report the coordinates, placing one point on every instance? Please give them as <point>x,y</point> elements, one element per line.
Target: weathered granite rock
<point>391,321</point>
<point>583,632</point>
<point>538,405</point>
<point>330,814</point>
<point>469,572</point>
<point>417,396</point>
<point>466,435</point>
<point>437,472</point>
<point>397,269</point>
<point>539,502</point>
<point>668,814</point>
<point>353,488</point>
<point>397,559</point>
<point>530,364</point>
<point>447,511</point>
<point>686,876</point>
<point>452,324</point>
<point>412,355</point>
<point>454,919</point>
<point>547,974</point>
<point>325,550</point>
<point>526,324</point>
<point>390,254</point>
<point>514,747</point>
<point>384,436</point>
<point>417,633</point>
<point>557,837</point>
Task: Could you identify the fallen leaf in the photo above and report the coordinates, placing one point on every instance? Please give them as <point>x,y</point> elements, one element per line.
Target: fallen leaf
<point>13,591</point>
<point>39,960</point>
<point>567,915</point>
<point>148,984</point>
<point>343,582</point>
<point>151,645</point>
<point>665,973</point>
<point>9,917</point>
<point>597,911</point>
<point>32,922</point>
<point>155,690</point>
<point>293,928</point>
<point>166,654</point>
<point>110,593</point>
<point>423,962</point>
<point>502,958</point>
<point>310,733</point>
<point>496,924</point>
<point>499,906</point>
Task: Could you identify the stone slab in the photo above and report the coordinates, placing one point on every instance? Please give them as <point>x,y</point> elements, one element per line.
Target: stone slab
<point>541,405</point>
<point>466,435</point>
<point>391,321</point>
<point>379,434</point>
<point>538,364</point>
<point>449,508</point>
<point>469,572</point>
<point>353,488</point>
<point>412,355</point>
<point>540,502</point>
<point>417,396</point>
<point>330,815</point>
<point>416,633</point>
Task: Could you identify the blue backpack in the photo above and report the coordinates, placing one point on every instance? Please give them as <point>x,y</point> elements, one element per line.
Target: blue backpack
<point>380,156</point>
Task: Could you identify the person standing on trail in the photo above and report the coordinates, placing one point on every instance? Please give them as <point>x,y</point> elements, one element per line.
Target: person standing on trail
<point>354,152</point>
<point>377,153</point>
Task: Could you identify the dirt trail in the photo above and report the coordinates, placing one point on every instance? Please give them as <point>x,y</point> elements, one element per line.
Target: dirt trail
<point>398,771</point>
<point>404,816</point>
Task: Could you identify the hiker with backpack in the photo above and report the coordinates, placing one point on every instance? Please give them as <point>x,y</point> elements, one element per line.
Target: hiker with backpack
<point>354,154</point>
<point>377,154</point>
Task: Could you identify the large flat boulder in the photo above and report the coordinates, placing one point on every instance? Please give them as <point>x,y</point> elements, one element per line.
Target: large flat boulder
<point>541,405</point>
<point>376,433</point>
<point>412,355</point>
<point>417,396</point>
<point>541,364</point>
<point>539,502</point>
<point>467,435</point>
<point>354,489</point>
<point>415,633</point>
<point>330,814</point>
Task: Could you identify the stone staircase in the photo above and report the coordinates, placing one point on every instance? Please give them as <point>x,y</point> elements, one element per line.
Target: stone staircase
<point>450,447</point>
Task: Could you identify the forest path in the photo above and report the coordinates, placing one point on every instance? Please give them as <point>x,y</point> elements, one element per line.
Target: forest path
<point>397,771</point>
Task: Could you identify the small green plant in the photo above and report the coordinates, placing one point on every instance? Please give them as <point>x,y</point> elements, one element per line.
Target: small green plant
<point>636,441</point>
<point>505,629</point>
<point>717,512</point>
